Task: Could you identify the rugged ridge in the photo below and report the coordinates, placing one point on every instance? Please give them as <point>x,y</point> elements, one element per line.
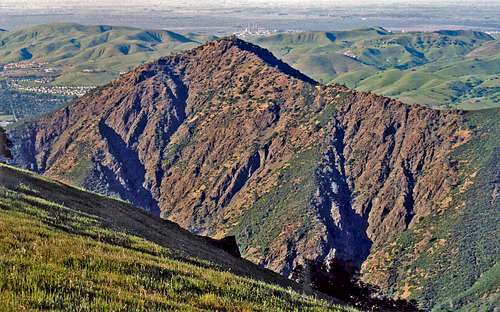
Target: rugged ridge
<point>226,139</point>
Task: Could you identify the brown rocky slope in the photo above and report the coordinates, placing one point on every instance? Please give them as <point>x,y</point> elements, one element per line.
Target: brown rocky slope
<point>226,139</point>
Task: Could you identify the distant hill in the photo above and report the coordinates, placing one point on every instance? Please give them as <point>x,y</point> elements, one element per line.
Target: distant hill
<point>106,50</point>
<point>66,249</point>
<point>440,69</point>
<point>226,139</point>
<point>444,69</point>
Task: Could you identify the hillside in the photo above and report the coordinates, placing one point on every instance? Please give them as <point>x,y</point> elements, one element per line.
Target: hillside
<point>66,249</point>
<point>90,55</point>
<point>439,258</point>
<point>225,139</point>
<point>440,69</point>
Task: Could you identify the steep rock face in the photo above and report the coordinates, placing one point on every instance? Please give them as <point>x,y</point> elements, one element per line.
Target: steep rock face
<point>383,168</point>
<point>395,159</point>
<point>227,140</point>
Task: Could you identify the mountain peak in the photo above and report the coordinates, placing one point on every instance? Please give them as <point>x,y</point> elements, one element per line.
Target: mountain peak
<point>218,49</point>
<point>267,57</point>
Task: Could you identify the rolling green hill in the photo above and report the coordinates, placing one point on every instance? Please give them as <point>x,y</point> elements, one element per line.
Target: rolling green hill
<point>104,51</point>
<point>440,69</point>
<point>65,249</point>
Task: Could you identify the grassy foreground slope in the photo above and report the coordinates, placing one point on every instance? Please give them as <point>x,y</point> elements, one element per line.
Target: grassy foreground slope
<point>65,249</point>
<point>440,69</point>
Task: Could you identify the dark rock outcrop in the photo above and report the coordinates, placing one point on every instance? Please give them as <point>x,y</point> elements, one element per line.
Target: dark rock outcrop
<point>5,144</point>
<point>229,245</point>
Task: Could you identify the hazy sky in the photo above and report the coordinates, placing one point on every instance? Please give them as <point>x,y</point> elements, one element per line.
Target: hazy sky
<point>201,3</point>
<point>227,16</point>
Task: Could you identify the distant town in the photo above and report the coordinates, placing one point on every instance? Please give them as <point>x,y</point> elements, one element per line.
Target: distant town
<point>253,30</point>
<point>37,77</point>
<point>48,89</point>
<point>27,88</point>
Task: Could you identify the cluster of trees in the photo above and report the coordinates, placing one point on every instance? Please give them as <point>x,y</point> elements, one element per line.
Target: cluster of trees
<point>341,280</point>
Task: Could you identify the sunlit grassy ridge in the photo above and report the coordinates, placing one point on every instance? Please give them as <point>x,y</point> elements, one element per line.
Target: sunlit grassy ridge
<point>54,256</point>
<point>106,50</point>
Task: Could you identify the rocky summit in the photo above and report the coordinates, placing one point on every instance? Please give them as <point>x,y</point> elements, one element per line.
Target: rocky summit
<point>226,139</point>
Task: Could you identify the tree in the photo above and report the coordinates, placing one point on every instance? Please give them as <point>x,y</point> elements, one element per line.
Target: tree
<point>341,279</point>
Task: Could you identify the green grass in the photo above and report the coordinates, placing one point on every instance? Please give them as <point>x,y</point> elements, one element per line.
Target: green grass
<point>474,231</point>
<point>56,256</point>
<point>7,118</point>
<point>284,205</point>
